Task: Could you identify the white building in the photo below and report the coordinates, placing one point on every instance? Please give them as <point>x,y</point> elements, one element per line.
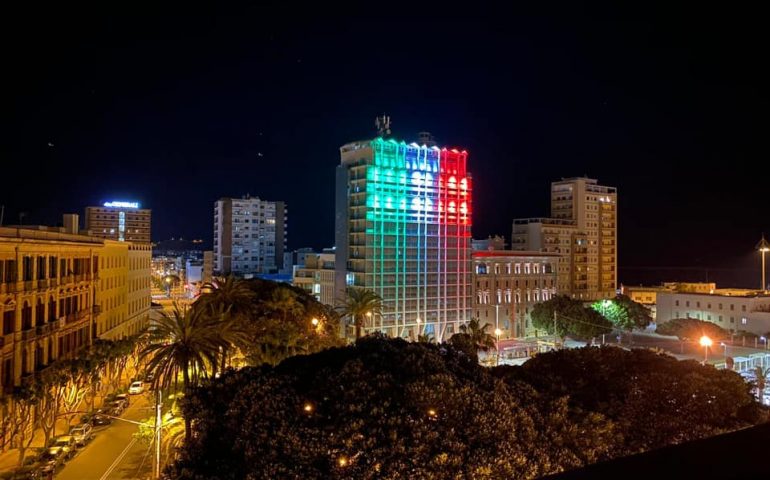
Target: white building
<point>249,236</point>
<point>731,309</point>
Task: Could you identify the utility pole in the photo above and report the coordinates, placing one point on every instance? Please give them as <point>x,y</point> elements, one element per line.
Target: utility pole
<point>158,424</point>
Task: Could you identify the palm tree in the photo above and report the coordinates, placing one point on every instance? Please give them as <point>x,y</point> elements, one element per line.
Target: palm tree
<point>187,341</point>
<point>478,335</point>
<point>233,294</point>
<point>231,304</point>
<point>426,338</point>
<point>358,303</point>
<point>284,302</point>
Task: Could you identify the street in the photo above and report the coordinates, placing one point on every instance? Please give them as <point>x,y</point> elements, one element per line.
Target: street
<point>114,453</point>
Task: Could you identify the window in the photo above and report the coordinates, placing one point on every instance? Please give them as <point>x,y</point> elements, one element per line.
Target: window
<point>687,303</point>
<point>732,307</point>
<point>676,303</point>
<point>744,321</point>
<point>517,268</point>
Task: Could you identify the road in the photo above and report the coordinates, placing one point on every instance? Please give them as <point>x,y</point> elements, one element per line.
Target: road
<point>114,453</point>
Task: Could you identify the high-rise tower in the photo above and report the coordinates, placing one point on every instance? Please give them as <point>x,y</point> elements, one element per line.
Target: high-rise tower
<point>403,229</point>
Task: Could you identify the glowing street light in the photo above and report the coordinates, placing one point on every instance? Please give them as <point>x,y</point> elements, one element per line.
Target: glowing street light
<point>314,321</point>
<point>308,408</point>
<point>343,461</point>
<point>705,342</point>
<point>498,332</point>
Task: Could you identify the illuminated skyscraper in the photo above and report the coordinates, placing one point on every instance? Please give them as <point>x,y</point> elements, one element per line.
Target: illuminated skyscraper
<point>122,221</point>
<point>403,229</point>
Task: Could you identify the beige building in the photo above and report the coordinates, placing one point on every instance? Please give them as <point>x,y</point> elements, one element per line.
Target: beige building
<point>316,276</point>
<point>48,282</point>
<point>507,284</point>
<point>121,221</point>
<point>583,228</point>
<point>59,290</point>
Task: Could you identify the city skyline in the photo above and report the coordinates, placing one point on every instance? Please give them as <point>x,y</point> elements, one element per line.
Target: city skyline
<point>220,121</point>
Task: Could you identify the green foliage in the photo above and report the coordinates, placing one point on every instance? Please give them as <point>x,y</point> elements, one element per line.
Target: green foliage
<point>655,400</point>
<point>391,409</point>
<point>473,338</point>
<point>357,304</point>
<point>624,313</point>
<point>692,329</point>
<point>563,316</point>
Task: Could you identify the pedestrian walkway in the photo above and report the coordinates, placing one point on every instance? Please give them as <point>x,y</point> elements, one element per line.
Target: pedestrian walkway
<point>9,459</point>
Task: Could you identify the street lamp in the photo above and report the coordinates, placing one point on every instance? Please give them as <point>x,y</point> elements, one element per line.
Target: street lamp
<point>705,342</point>
<point>314,321</point>
<point>419,330</point>
<point>498,332</point>
<point>763,246</point>
<point>723,344</point>
<point>369,316</point>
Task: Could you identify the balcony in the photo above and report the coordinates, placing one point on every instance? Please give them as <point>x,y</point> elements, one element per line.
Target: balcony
<point>42,284</point>
<point>28,334</point>
<point>53,282</point>
<point>96,309</point>
<point>43,329</point>
<point>29,285</point>
<point>54,325</point>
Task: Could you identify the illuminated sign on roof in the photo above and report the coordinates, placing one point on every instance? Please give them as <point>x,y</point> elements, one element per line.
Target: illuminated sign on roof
<point>122,204</point>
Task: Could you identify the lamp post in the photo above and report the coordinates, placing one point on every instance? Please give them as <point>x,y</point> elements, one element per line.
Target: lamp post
<point>498,332</point>
<point>723,344</point>
<point>705,342</point>
<point>763,246</point>
<point>419,329</point>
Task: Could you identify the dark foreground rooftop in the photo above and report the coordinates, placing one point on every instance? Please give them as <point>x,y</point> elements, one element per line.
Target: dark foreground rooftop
<point>742,454</point>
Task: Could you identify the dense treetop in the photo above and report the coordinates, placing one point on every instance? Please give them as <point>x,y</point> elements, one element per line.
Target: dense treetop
<point>393,409</point>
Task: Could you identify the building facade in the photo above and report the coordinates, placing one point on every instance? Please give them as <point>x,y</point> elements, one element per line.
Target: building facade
<point>507,285</point>
<point>249,236</point>
<point>48,282</point>
<point>648,296</point>
<point>121,221</point>
<point>732,309</point>
<point>316,276</point>
<point>403,230</point>
<point>582,227</point>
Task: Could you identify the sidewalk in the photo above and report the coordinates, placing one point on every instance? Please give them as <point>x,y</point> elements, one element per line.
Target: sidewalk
<point>10,458</point>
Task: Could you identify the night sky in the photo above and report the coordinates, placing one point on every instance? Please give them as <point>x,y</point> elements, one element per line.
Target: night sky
<point>176,108</point>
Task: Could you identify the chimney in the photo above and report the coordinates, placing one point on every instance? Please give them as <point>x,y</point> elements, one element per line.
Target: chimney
<point>71,222</point>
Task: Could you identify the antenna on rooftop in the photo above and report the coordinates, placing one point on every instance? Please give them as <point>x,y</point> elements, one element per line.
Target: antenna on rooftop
<point>383,125</point>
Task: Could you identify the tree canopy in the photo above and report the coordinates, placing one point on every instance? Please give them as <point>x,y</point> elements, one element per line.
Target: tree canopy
<point>393,409</point>
<point>383,409</point>
<point>563,316</point>
<point>692,329</point>
<point>623,312</point>
<point>654,399</point>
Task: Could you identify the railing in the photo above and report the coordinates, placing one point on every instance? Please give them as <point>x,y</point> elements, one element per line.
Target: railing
<point>29,285</point>
<point>54,325</point>
<point>53,282</point>
<point>43,329</point>
<point>28,334</point>
<point>42,283</point>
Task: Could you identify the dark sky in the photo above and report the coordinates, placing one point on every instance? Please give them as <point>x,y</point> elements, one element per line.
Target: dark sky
<point>178,107</point>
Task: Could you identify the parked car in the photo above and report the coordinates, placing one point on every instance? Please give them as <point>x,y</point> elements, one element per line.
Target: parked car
<point>101,417</point>
<point>117,407</point>
<point>82,433</point>
<point>52,459</point>
<point>136,388</point>
<point>125,397</point>
<point>66,443</point>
